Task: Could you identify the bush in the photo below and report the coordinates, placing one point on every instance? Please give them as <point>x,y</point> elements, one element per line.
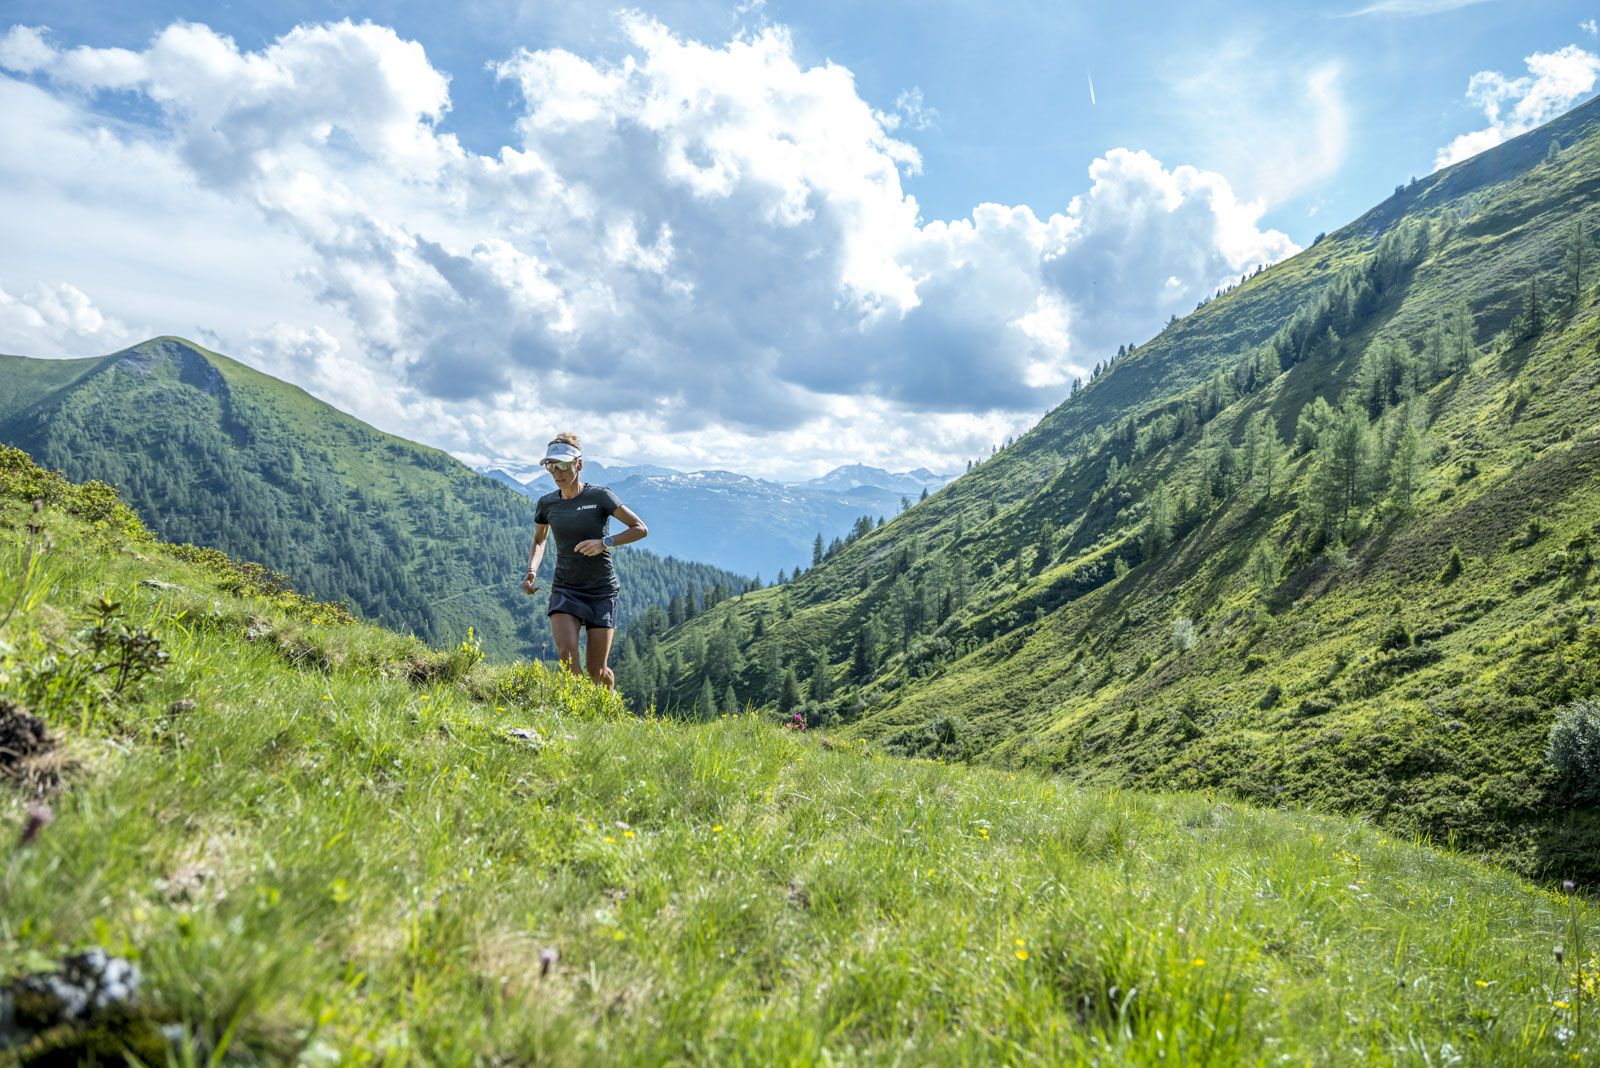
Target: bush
<point>1574,750</point>
<point>1183,634</point>
<point>1395,636</point>
<point>1452,567</point>
<point>1314,706</point>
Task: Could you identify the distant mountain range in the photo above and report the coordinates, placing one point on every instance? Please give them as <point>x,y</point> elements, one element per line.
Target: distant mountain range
<point>212,452</point>
<point>749,525</point>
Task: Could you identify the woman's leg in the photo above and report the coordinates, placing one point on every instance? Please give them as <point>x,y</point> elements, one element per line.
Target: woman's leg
<point>565,628</point>
<point>598,653</point>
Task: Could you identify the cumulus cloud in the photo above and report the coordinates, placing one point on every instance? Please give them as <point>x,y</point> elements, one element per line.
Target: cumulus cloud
<point>1555,81</point>
<point>709,245</point>
<point>57,320</point>
<point>1590,27</point>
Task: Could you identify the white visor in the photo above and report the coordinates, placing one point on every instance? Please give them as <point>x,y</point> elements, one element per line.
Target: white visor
<point>562,452</point>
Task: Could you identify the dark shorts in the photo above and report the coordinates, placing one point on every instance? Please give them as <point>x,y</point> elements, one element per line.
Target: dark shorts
<point>590,609</point>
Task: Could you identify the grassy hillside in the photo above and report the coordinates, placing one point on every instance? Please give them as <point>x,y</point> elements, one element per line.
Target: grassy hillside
<point>215,453</point>
<point>317,840</point>
<point>1135,593</point>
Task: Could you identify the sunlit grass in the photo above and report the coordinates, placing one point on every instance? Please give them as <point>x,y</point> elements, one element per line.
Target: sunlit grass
<point>339,854</point>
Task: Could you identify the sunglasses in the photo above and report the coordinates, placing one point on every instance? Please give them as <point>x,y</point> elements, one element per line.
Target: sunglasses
<point>559,465</point>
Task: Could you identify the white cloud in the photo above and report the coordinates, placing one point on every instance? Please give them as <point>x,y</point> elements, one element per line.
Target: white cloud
<point>1408,8</point>
<point>913,111</point>
<point>1278,129</point>
<point>25,50</point>
<point>57,320</point>
<point>707,248</point>
<point>1554,82</point>
<point>1590,27</point>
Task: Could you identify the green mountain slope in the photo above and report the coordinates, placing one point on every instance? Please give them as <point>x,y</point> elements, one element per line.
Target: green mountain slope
<point>215,453</point>
<point>321,842</point>
<point>1328,539</point>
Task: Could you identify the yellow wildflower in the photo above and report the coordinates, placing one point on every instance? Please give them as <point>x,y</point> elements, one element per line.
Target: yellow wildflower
<point>1022,954</point>
<point>1198,962</point>
<point>1480,982</point>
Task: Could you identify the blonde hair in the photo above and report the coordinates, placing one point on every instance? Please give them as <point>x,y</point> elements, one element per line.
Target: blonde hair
<point>568,438</point>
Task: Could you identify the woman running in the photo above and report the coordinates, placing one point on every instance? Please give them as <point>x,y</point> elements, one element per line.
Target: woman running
<point>584,590</point>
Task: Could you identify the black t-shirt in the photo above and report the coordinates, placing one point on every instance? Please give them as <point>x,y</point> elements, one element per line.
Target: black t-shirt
<point>578,519</point>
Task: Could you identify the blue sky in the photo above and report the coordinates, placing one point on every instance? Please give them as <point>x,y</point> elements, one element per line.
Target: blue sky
<point>779,287</point>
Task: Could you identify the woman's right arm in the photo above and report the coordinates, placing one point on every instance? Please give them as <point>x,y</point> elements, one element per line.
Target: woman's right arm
<point>535,554</point>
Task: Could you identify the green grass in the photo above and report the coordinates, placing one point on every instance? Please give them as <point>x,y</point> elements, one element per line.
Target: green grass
<point>339,852</point>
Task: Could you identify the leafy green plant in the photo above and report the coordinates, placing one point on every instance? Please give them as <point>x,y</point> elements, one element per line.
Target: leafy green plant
<point>1573,750</point>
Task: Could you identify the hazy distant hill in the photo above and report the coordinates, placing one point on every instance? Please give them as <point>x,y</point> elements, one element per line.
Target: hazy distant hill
<point>1331,538</point>
<point>749,525</point>
<point>212,452</point>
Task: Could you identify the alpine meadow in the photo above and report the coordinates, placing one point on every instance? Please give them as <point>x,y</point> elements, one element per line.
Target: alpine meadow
<point>1245,710</point>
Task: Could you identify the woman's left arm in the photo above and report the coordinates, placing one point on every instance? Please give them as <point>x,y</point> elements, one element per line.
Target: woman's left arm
<point>636,530</point>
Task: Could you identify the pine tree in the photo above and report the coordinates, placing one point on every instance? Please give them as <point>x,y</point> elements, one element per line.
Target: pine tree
<point>1045,549</point>
<point>816,550</point>
<point>1463,350</point>
<point>706,706</point>
<point>821,681</point>
<point>1265,567</point>
<point>1315,417</point>
<point>789,692</point>
<point>1531,321</point>
<point>1341,469</point>
<point>1158,521</point>
<point>924,494</point>
<point>869,647</point>
<point>730,701</point>
<point>1406,467</point>
<point>1575,259</point>
<point>1271,460</point>
<point>1324,347</point>
<point>771,673</point>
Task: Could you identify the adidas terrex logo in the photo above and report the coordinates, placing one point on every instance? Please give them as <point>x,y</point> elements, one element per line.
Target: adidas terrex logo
<point>585,507</point>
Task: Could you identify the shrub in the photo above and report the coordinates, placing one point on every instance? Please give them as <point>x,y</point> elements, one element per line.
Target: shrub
<point>1395,636</point>
<point>1452,567</point>
<point>1314,706</point>
<point>1574,750</point>
<point>1183,634</point>
<point>1530,534</point>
